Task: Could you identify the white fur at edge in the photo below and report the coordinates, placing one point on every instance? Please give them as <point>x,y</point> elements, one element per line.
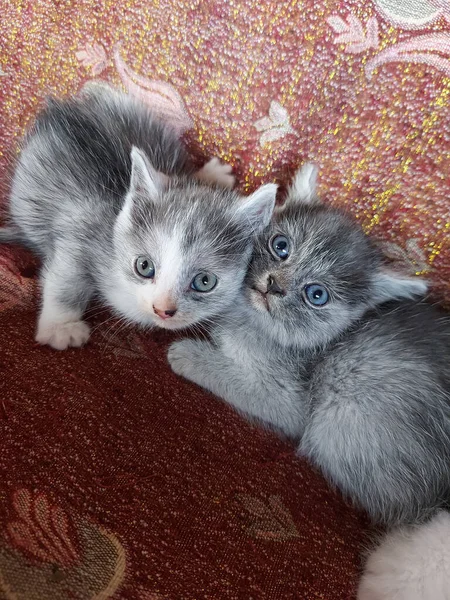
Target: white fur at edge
<point>216,172</point>
<point>305,183</point>
<point>411,563</point>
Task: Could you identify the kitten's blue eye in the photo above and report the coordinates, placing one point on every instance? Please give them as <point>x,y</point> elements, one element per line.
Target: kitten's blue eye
<point>279,245</point>
<point>316,294</point>
<point>144,267</point>
<point>204,282</point>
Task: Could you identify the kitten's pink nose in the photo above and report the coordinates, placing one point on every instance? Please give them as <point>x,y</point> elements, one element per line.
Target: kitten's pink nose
<point>165,313</point>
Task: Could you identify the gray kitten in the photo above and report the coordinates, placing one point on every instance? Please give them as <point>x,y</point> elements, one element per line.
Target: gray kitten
<point>106,195</point>
<point>329,347</point>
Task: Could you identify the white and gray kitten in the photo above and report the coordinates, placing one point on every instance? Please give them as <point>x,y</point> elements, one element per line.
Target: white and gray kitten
<point>328,347</point>
<point>105,193</point>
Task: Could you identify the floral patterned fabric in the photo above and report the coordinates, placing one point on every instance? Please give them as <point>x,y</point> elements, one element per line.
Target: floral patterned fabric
<point>116,478</point>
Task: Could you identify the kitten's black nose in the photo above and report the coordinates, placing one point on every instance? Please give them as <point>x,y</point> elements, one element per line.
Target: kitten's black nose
<point>273,287</point>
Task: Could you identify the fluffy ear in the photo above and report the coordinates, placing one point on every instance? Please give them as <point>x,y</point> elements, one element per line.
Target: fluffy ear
<point>257,209</point>
<point>145,179</point>
<point>303,187</point>
<point>391,285</point>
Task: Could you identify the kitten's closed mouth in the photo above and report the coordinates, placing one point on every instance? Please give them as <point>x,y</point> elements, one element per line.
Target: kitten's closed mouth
<point>259,298</point>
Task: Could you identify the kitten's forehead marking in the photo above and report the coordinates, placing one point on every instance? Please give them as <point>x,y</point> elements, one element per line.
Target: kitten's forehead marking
<point>171,264</point>
<point>163,290</point>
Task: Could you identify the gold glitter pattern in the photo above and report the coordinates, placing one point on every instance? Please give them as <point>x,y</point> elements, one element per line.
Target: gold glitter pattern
<point>354,85</point>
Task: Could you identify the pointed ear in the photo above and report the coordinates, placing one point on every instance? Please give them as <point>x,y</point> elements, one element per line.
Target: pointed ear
<point>303,189</point>
<point>145,179</point>
<point>391,285</point>
<point>257,209</point>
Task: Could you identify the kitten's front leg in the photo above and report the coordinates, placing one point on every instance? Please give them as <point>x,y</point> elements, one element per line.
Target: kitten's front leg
<point>193,359</point>
<point>217,172</point>
<point>251,391</point>
<point>64,299</point>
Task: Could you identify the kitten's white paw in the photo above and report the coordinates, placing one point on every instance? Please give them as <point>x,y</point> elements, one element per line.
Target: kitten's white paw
<point>217,172</point>
<point>411,563</point>
<point>63,335</point>
<point>181,356</point>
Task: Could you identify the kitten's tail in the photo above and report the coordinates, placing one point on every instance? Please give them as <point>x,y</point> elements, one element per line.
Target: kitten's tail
<point>411,563</point>
<point>10,235</point>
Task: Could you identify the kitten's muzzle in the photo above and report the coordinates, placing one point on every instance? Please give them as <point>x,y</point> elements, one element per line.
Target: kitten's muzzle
<point>262,292</point>
<point>273,287</point>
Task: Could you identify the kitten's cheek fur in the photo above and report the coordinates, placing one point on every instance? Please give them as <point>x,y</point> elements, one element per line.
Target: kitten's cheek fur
<point>259,301</point>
